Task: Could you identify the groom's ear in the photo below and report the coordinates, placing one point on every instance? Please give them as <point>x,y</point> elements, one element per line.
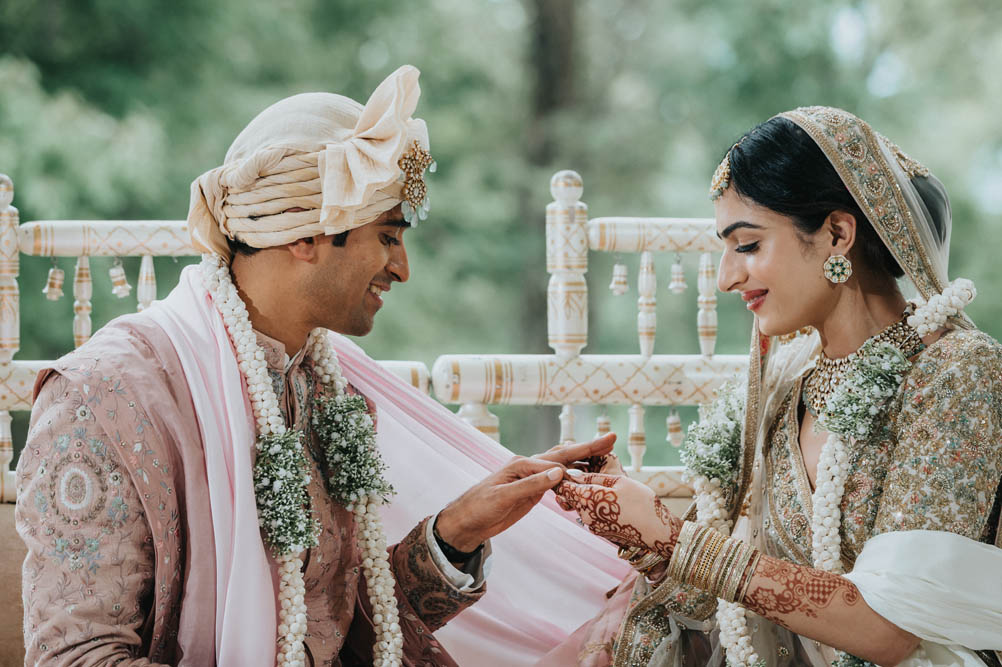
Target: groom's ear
<point>304,249</point>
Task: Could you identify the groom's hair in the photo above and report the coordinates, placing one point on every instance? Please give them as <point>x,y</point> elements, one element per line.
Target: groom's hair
<point>241,248</point>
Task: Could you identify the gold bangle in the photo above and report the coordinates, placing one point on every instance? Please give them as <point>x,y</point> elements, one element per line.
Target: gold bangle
<point>682,552</point>
<point>704,570</point>
<point>705,559</point>
<point>640,559</point>
<point>735,569</point>
<point>748,574</point>
<point>696,548</point>
<point>734,573</point>
<point>722,567</point>
<point>647,562</point>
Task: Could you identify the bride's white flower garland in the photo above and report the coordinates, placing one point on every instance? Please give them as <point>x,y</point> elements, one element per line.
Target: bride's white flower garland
<point>851,411</point>
<point>932,314</point>
<point>712,449</point>
<point>281,478</point>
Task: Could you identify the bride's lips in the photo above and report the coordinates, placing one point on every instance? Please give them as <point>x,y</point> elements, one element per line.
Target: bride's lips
<point>754,298</point>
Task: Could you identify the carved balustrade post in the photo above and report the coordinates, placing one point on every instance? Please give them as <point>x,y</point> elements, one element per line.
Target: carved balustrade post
<point>146,289</point>
<point>7,487</point>
<point>567,262</point>
<point>647,318</point>
<point>83,289</point>
<point>10,321</point>
<point>706,319</point>
<point>602,426</point>
<point>10,318</point>
<point>638,437</point>
<point>479,417</point>
<point>566,424</point>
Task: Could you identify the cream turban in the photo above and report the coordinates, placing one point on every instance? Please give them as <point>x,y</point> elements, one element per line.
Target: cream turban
<point>320,152</point>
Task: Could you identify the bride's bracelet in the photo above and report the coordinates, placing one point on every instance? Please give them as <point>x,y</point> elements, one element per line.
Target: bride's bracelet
<point>641,560</point>
<point>707,560</point>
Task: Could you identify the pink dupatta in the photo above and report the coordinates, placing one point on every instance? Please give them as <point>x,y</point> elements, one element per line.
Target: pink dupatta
<point>548,577</point>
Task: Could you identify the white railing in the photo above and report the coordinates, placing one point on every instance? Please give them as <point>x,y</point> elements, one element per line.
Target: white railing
<point>568,378</point>
<point>474,382</point>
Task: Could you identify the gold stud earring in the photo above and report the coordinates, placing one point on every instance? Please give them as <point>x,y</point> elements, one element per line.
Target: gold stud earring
<point>838,268</point>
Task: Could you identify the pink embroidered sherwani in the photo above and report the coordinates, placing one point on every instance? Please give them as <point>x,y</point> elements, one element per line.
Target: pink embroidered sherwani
<point>113,506</point>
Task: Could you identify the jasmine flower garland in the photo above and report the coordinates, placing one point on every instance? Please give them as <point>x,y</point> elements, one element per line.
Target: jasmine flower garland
<point>343,423</point>
<point>871,380</point>
<point>711,454</point>
<point>851,413</point>
<point>281,477</point>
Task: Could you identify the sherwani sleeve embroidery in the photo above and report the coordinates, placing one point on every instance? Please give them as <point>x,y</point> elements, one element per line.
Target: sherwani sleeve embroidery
<point>423,590</point>
<point>947,464</point>
<point>89,572</point>
<point>426,599</point>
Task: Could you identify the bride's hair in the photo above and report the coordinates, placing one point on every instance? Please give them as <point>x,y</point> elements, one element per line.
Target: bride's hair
<point>777,165</point>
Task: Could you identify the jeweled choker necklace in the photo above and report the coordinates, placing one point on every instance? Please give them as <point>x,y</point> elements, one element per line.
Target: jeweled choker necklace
<point>828,373</point>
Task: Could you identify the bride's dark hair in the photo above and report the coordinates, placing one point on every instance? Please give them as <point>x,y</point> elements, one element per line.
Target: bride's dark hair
<point>777,165</point>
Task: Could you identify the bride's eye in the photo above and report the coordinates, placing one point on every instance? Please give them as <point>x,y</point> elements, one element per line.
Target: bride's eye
<point>748,247</point>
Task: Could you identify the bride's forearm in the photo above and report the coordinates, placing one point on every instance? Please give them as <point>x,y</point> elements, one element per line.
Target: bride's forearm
<point>826,607</point>
<point>810,602</point>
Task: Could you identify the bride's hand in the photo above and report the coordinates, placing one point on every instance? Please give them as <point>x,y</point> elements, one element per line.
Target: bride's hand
<point>620,509</point>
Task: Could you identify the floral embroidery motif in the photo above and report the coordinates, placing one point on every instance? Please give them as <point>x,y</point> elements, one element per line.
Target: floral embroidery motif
<point>76,489</point>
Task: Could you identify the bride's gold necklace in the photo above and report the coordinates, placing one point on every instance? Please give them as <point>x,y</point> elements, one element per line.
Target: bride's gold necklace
<point>829,373</point>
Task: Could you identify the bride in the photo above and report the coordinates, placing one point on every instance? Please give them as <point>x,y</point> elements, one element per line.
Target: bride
<point>848,495</point>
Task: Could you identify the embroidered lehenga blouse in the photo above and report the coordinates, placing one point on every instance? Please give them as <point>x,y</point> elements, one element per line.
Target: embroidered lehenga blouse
<point>934,462</point>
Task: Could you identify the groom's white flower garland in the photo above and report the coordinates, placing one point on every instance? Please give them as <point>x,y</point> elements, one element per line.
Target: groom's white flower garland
<point>713,447</point>
<point>281,478</point>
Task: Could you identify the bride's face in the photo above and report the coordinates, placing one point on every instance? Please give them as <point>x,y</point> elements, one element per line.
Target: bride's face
<point>777,271</point>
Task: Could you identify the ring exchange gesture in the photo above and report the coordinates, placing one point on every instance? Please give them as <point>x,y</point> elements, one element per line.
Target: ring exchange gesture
<point>497,502</point>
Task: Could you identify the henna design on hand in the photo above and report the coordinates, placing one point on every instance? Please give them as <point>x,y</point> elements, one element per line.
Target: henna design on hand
<point>597,501</point>
<point>672,523</point>
<point>796,588</point>
<point>600,511</point>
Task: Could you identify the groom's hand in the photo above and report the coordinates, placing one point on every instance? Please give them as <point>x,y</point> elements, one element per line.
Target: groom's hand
<point>493,505</point>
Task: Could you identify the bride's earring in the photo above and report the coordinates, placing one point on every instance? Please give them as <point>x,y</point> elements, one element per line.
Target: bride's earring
<point>838,268</point>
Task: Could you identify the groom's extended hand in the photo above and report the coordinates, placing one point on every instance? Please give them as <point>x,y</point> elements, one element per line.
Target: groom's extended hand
<point>493,505</point>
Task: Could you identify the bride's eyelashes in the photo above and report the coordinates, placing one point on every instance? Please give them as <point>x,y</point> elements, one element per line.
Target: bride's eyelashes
<point>748,247</point>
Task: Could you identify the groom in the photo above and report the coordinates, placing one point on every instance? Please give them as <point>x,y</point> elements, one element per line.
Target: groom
<point>136,498</point>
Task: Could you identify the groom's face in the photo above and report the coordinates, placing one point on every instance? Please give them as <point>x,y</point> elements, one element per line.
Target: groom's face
<point>347,286</point>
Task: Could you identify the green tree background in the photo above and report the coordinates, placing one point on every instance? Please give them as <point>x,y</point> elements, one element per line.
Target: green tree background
<point>109,110</point>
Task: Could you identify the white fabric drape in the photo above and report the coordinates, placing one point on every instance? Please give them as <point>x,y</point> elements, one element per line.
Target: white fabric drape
<point>942,587</point>
<point>548,574</point>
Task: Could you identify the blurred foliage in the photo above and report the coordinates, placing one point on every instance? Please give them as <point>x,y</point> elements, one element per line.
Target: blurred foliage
<point>109,110</point>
